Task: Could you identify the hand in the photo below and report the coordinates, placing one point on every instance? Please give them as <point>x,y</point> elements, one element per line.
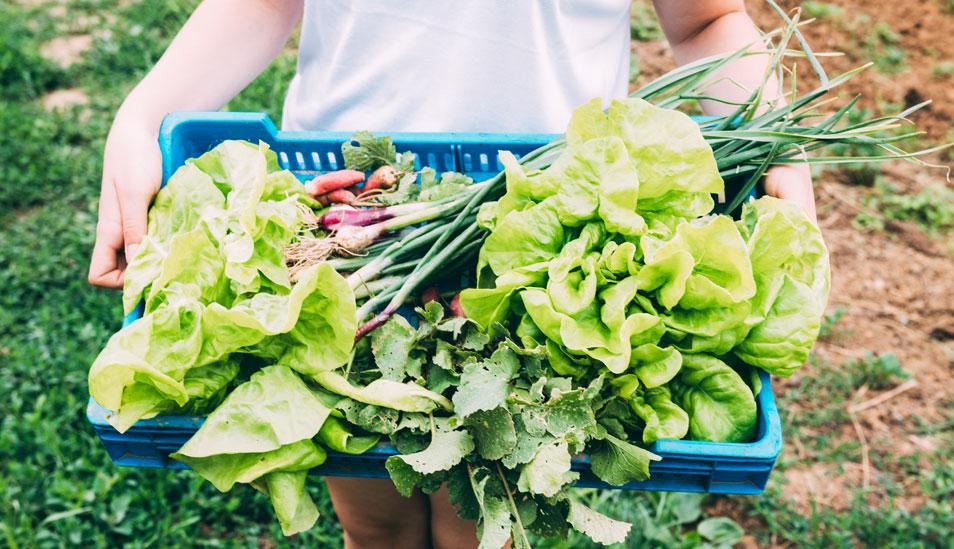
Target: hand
<point>132,171</point>
<point>792,182</point>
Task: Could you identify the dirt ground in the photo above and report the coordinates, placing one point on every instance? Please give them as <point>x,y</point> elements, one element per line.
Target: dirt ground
<point>926,39</point>
<point>925,33</point>
<point>897,292</point>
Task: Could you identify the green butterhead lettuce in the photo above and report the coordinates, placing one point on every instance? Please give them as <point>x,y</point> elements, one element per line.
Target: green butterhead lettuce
<point>793,277</point>
<point>664,419</point>
<point>217,231</point>
<point>262,433</point>
<point>294,507</point>
<point>720,404</point>
<point>406,397</point>
<point>676,159</point>
<point>685,271</point>
<point>272,409</point>
<point>178,210</point>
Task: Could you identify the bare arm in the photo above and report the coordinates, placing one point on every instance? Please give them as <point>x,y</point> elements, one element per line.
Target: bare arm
<point>220,49</point>
<point>701,28</point>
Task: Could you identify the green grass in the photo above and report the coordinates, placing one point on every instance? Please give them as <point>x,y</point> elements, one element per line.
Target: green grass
<point>860,525</point>
<point>883,46</point>
<point>813,409</point>
<point>830,321</point>
<point>643,26</point>
<point>821,9</point>
<point>57,485</point>
<point>932,208</point>
<point>660,519</point>
<point>942,69</point>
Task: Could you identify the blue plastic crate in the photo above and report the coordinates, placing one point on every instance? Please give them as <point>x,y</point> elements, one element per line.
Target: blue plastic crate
<point>686,466</point>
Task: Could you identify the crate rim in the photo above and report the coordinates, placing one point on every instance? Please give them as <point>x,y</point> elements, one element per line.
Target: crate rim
<point>176,121</point>
<point>767,447</point>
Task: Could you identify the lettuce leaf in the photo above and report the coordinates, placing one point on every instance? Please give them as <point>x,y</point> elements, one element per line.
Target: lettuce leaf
<point>676,162</point>
<point>213,275</point>
<point>720,405</point>
<point>262,433</point>
<point>791,264</point>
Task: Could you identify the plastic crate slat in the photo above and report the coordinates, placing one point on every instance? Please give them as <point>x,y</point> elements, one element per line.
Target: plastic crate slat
<point>686,466</point>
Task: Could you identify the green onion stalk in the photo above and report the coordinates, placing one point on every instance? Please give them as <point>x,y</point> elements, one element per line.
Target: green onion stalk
<point>758,134</point>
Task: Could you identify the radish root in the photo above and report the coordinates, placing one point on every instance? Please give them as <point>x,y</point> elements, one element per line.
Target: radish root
<point>345,240</point>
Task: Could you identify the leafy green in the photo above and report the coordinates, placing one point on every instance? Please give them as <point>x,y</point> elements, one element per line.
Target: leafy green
<point>595,525</point>
<point>365,152</point>
<point>677,158</point>
<point>618,462</point>
<point>262,434</point>
<point>406,397</point>
<point>790,257</point>
<point>663,418</point>
<point>447,449</point>
<point>338,436</point>
<point>447,185</point>
<point>256,416</point>
<point>485,385</point>
<point>494,432</point>
<point>493,526</point>
<point>548,471</point>
<point>295,509</point>
<point>720,405</point>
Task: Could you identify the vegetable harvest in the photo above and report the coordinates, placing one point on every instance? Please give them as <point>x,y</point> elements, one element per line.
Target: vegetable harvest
<point>609,307</point>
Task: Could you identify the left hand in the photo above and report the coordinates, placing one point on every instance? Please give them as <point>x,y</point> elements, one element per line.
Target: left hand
<point>792,182</point>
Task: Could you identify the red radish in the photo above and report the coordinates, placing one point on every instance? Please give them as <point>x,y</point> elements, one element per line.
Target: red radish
<point>332,181</point>
<point>384,177</point>
<point>429,294</point>
<point>342,196</point>
<point>455,307</point>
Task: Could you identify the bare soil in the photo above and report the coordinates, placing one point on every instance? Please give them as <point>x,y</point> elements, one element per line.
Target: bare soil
<point>61,99</point>
<point>66,50</point>
<point>925,32</point>
<point>898,298</point>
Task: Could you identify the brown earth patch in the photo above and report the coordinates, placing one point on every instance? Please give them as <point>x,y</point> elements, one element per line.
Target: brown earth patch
<point>66,50</point>
<point>61,99</point>
<point>923,31</point>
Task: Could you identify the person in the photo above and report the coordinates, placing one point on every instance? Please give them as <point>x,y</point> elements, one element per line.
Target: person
<point>418,65</point>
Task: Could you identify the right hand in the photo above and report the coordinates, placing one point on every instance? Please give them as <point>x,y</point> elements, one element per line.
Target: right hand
<point>132,172</point>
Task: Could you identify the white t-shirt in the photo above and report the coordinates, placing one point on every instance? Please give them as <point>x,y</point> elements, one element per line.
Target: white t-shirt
<point>465,65</point>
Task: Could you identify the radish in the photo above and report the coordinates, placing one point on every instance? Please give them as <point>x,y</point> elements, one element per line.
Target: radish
<point>342,196</point>
<point>340,216</point>
<point>429,294</point>
<point>384,177</point>
<point>333,181</point>
<point>455,307</point>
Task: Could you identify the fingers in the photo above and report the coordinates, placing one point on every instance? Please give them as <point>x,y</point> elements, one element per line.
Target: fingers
<point>134,193</point>
<point>133,206</point>
<point>107,263</point>
<point>792,182</point>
